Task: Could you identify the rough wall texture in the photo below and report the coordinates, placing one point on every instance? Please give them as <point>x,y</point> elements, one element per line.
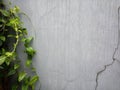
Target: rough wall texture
<point>75,42</point>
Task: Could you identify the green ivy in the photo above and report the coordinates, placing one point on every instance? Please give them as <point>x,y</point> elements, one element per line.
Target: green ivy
<point>12,33</point>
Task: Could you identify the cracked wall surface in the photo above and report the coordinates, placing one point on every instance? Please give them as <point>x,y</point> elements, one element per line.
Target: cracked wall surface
<point>75,42</point>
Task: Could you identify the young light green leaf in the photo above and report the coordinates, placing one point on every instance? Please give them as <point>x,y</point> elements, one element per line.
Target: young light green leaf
<point>15,10</point>
<point>28,63</point>
<point>8,54</point>
<point>30,51</point>
<point>28,40</point>
<point>33,80</point>
<point>21,76</point>
<point>13,21</point>
<point>2,59</point>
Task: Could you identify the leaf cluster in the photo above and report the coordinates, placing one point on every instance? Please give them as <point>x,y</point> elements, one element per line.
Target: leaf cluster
<point>12,33</point>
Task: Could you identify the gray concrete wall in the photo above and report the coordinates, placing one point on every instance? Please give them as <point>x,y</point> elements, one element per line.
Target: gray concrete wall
<point>75,40</point>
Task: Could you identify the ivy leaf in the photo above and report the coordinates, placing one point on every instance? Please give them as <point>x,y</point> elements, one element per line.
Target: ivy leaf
<point>30,51</point>
<point>2,38</point>
<point>15,10</point>
<point>2,20</point>
<point>24,31</point>
<point>7,61</point>
<point>5,12</point>
<point>11,36</point>
<point>28,63</point>
<point>33,80</point>
<point>27,41</point>
<point>9,54</point>
<point>2,59</point>
<point>21,76</point>
<point>3,50</point>
<point>24,87</point>
<point>16,66</point>
<point>26,80</point>
<point>13,21</point>
<point>11,72</point>
<point>33,69</point>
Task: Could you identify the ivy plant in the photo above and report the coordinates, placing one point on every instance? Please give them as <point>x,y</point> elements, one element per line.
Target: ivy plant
<point>12,32</point>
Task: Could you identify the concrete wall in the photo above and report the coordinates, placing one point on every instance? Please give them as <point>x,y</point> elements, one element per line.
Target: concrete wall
<point>75,40</point>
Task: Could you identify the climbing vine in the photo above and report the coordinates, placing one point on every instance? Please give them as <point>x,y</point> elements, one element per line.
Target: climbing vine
<point>12,32</point>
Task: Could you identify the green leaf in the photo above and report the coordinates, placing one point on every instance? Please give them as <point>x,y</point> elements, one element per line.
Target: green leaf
<point>24,87</point>
<point>33,80</point>
<point>12,36</point>
<point>24,31</point>
<point>5,12</point>
<point>16,66</point>
<point>2,20</point>
<point>12,72</point>
<point>30,51</point>
<point>2,38</point>
<point>13,22</point>
<point>28,63</point>
<point>3,51</point>
<point>7,61</point>
<point>14,10</point>
<point>2,59</point>
<point>26,80</point>
<point>28,40</point>
<point>21,76</point>
<point>23,39</point>
<point>33,69</point>
<point>9,54</point>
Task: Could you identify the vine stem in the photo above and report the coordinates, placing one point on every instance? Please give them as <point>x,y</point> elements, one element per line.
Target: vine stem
<point>17,39</point>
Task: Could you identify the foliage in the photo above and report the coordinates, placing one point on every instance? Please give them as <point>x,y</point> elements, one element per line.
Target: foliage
<point>12,33</point>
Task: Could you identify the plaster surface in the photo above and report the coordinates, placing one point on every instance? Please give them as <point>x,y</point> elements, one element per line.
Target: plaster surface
<point>75,42</point>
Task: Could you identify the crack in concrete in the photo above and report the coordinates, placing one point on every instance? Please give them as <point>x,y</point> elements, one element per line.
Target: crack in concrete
<point>101,71</point>
<point>113,57</point>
